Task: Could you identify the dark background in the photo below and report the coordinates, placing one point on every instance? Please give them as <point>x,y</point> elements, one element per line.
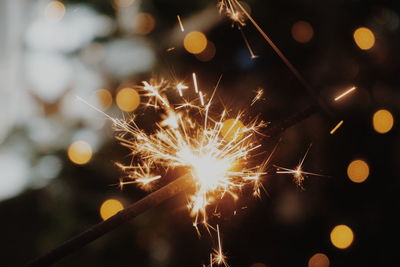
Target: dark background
<point>287,225</point>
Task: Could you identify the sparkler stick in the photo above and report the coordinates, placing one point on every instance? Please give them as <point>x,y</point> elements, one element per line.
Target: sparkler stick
<point>157,197</point>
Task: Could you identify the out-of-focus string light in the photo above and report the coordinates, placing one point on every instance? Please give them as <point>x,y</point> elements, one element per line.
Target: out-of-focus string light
<point>364,38</point>
<point>103,98</point>
<point>358,171</point>
<point>208,53</point>
<point>195,42</point>
<point>109,208</point>
<point>54,11</point>
<point>382,121</point>
<point>80,152</point>
<point>302,32</point>
<point>319,260</point>
<point>145,23</point>
<point>342,236</point>
<point>128,99</point>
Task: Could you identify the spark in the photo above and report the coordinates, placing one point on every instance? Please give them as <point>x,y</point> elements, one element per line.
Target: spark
<point>218,256</point>
<point>348,91</point>
<point>180,23</point>
<point>180,87</point>
<point>170,49</point>
<point>336,127</point>
<point>298,173</point>
<point>196,87</point>
<point>258,96</point>
<point>246,41</point>
<point>201,98</point>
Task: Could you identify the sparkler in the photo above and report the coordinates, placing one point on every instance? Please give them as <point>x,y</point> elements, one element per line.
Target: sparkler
<point>217,152</point>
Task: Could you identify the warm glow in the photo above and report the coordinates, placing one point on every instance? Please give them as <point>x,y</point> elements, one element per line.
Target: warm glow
<point>302,32</point>
<point>55,10</point>
<point>145,23</point>
<point>383,121</point>
<point>128,99</point>
<point>103,98</point>
<point>364,38</point>
<point>358,171</point>
<point>109,208</point>
<point>342,236</point>
<point>318,260</point>
<point>195,42</point>
<point>80,152</point>
<point>232,129</point>
<point>208,53</point>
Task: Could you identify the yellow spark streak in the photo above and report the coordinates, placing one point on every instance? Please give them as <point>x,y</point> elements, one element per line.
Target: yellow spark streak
<point>348,91</point>
<point>336,127</point>
<point>170,49</point>
<point>196,88</point>
<point>180,23</point>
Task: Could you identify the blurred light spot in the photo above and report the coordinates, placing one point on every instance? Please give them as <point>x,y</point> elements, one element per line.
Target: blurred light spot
<point>80,152</point>
<point>208,53</point>
<point>54,11</point>
<point>232,129</point>
<point>318,260</point>
<point>48,167</point>
<point>364,38</point>
<point>109,208</point>
<point>48,75</point>
<point>14,171</point>
<point>342,236</point>
<point>123,3</point>
<point>383,121</point>
<point>358,171</point>
<point>258,265</point>
<point>128,99</point>
<point>145,23</point>
<point>195,42</point>
<point>103,98</point>
<point>302,32</point>
<point>125,57</point>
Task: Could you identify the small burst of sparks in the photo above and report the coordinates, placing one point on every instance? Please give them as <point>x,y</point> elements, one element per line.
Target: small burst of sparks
<point>348,91</point>
<point>180,23</point>
<point>336,127</point>
<point>218,256</point>
<point>232,10</point>
<point>258,96</point>
<point>298,173</point>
